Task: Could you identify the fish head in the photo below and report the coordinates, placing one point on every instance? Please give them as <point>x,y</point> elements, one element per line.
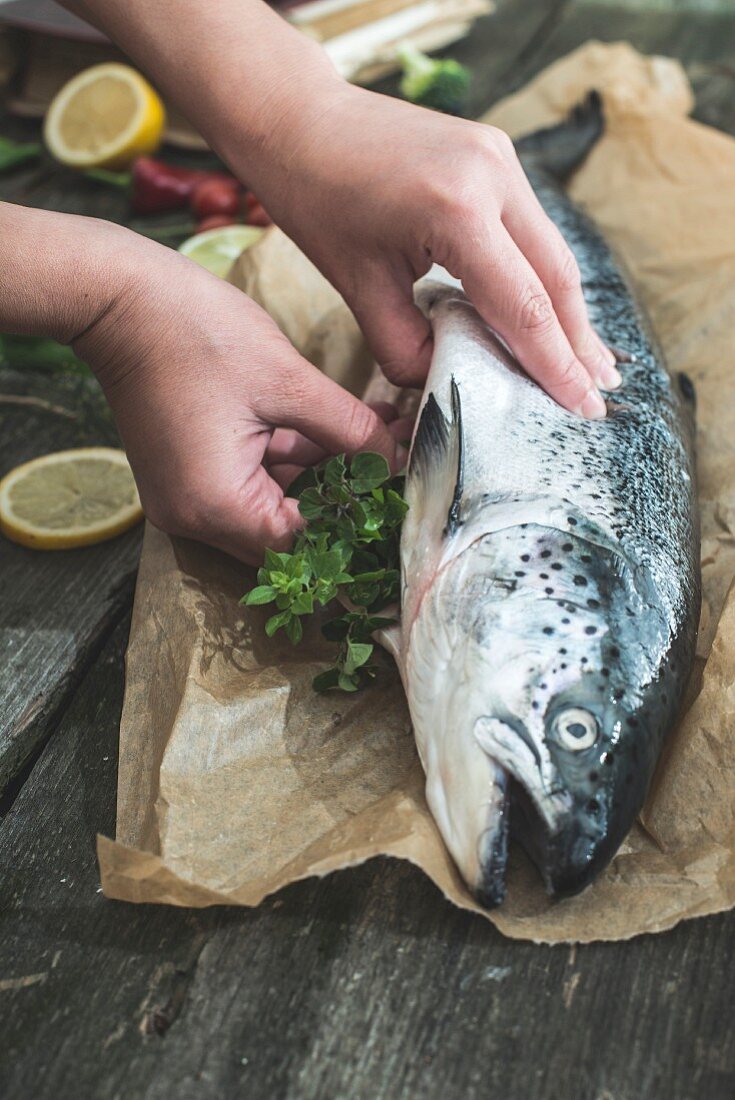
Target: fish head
<point>558,692</point>
<point>579,767</point>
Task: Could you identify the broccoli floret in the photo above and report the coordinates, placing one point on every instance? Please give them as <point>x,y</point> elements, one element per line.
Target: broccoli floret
<point>441,83</point>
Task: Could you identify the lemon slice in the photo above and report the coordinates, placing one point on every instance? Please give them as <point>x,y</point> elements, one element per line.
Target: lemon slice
<point>104,117</point>
<point>217,249</point>
<point>67,499</point>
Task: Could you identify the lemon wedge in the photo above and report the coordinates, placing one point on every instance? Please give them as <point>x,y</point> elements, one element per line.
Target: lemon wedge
<point>68,499</point>
<point>104,117</point>
<point>217,249</point>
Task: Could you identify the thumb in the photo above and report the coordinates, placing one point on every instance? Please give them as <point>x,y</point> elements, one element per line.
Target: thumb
<point>399,335</point>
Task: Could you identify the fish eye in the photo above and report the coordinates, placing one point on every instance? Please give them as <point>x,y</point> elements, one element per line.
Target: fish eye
<point>576,729</point>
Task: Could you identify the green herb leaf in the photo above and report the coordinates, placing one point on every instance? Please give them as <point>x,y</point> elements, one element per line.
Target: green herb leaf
<point>358,653</point>
<point>277,621</point>
<point>264,593</point>
<point>348,549</point>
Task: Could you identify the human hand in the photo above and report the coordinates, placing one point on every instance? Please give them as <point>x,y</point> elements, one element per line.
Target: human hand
<point>217,411</point>
<point>375,190</point>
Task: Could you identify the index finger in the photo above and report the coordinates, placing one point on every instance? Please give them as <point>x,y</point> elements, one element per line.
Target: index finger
<point>508,293</point>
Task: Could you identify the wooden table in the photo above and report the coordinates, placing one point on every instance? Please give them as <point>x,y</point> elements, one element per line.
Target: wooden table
<point>367,984</point>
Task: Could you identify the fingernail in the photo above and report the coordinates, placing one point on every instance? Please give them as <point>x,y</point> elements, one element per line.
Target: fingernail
<point>593,406</point>
<point>610,376</point>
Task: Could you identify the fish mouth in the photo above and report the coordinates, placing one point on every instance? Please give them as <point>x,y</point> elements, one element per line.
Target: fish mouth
<point>568,856</point>
<point>568,844</point>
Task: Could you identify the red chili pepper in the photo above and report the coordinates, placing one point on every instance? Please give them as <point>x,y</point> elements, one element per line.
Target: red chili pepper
<point>215,221</point>
<point>258,215</point>
<point>216,195</point>
<point>156,187</point>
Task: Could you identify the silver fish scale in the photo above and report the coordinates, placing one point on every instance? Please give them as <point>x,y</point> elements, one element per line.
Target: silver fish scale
<point>648,440</point>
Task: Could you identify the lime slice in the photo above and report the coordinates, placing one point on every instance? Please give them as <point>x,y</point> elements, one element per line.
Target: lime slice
<point>217,249</point>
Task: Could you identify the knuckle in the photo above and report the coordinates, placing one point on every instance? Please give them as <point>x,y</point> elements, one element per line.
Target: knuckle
<point>450,199</point>
<point>502,141</point>
<point>567,278</point>
<point>536,312</point>
<point>360,424</point>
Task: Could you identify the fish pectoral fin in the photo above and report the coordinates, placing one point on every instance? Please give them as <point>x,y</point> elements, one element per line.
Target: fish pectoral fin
<point>435,474</point>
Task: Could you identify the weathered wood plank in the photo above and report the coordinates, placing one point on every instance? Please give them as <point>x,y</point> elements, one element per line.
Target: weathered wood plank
<point>55,608</point>
<point>366,984</point>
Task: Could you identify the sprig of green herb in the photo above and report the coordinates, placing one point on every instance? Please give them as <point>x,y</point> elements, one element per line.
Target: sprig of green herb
<point>348,549</point>
<point>15,153</point>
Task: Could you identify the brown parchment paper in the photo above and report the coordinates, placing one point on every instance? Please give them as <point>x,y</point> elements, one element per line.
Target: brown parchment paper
<point>235,778</point>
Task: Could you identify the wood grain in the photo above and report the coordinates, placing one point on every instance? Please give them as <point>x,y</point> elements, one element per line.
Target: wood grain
<point>56,608</point>
<point>364,985</point>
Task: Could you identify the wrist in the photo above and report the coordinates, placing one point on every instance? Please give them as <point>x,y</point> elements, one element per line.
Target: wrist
<point>260,144</point>
<point>57,274</point>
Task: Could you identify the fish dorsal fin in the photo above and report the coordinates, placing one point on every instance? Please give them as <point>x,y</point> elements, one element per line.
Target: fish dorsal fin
<point>435,472</point>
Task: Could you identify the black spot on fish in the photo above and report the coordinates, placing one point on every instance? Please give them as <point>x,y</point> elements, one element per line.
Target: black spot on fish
<point>686,386</point>
<point>548,630</point>
<point>593,603</point>
<point>556,565</point>
<point>563,651</point>
<point>614,651</point>
<point>567,546</point>
<point>566,622</point>
<point>519,573</point>
<point>546,553</point>
<point>590,630</point>
<point>549,591</point>
<point>586,558</point>
<point>544,576</point>
<point>618,694</point>
<point>593,806</point>
<point>580,581</point>
<point>525,557</point>
<point>605,672</point>
<point>572,521</point>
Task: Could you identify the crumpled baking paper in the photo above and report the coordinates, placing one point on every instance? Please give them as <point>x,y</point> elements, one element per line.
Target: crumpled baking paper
<point>235,778</point>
